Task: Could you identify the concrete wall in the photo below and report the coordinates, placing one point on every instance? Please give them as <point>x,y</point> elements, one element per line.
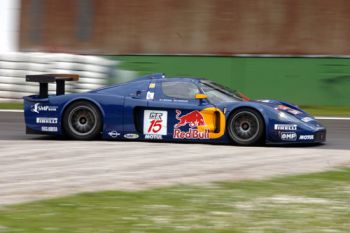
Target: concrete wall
<point>9,25</point>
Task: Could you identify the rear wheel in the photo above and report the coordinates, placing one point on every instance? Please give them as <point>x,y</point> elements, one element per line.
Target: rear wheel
<point>246,127</point>
<point>82,121</point>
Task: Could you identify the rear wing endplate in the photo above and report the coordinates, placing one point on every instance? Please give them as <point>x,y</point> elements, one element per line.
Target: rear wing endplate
<point>45,79</point>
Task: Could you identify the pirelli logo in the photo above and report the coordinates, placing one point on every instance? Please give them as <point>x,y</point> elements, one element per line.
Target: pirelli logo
<point>46,120</point>
<point>285,127</point>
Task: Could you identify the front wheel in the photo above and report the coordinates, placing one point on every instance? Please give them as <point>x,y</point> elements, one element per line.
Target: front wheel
<point>82,121</point>
<point>246,127</point>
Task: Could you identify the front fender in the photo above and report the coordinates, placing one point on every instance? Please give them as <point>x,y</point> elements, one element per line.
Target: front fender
<point>266,112</point>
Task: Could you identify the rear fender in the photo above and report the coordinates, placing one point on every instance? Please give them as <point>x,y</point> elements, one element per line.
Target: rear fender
<point>82,99</point>
<point>42,116</point>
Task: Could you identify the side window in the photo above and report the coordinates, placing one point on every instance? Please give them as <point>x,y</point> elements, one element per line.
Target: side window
<point>179,90</point>
<point>129,89</point>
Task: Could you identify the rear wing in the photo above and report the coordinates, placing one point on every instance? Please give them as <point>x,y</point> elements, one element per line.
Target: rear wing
<point>45,79</point>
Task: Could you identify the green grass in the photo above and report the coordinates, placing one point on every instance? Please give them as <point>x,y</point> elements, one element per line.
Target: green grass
<point>327,110</point>
<point>11,105</point>
<point>308,203</point>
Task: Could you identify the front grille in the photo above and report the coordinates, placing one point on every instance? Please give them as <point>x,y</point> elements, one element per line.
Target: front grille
<point>320,136</point>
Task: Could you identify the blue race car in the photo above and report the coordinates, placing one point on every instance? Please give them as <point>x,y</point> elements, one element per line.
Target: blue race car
<point>154,107</point>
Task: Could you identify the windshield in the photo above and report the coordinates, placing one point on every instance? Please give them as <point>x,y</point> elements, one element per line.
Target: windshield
<point>217,93</point>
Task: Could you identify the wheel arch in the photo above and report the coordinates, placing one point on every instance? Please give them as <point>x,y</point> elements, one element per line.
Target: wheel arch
<point>258,110</point>
<point>70,102</point>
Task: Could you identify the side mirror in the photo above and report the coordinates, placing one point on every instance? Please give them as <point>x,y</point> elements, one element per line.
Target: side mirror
<point>200,96</point>
<point>136,95</point>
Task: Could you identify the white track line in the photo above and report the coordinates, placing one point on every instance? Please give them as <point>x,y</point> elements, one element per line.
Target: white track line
<point>11,110</point>
<point>318,117</point>
<point>332,118</point>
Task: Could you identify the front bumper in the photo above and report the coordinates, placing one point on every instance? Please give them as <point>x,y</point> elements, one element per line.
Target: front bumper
<point>297,137</point>
<point>320,136</point>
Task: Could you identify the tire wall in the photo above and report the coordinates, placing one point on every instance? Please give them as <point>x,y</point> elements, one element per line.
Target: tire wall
<point>94,72</point>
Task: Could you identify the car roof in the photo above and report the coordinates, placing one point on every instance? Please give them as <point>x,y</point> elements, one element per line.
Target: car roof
<point>161,76</point>
<point>150,77</point>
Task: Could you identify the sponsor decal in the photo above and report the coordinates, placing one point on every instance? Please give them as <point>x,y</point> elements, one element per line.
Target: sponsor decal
<point>46,120</point>
<point>152,85</point>
<point>288,136</point>
<point>113,134</point>
<point>294,111</point>
<point>191,134</point>
<point>306,137</point>
<point>282,107</point>
<point>37,108</point>
<point>288,109</point>
<point>154,136</point>
<point>155,122</point>
<point>49,129</point>
<point>150,95</point>
<point>180,101</point>
<point>285,127</point>
<point>192,120</point>
<point>307,119</point>
<point>131,136</point>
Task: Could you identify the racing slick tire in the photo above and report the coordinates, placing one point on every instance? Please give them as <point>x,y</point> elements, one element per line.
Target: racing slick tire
<point>246,127</point>
<point>82,121</point>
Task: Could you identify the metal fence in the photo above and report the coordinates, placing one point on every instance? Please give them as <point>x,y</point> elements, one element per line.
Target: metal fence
<point>94,72</point>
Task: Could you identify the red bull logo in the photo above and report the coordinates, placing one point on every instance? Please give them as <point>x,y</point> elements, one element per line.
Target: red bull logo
<point>191,134</point>
<point>193,120</point>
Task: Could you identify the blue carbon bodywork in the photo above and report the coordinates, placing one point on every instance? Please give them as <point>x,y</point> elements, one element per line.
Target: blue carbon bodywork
<point>130,110</point>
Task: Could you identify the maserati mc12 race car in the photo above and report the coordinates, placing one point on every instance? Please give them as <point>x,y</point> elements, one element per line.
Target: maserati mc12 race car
<point>154,107</point>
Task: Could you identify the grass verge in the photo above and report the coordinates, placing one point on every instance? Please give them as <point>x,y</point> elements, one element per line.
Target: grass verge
<point>308,203</point>
<point>327,110</point>
<point>11,105</point>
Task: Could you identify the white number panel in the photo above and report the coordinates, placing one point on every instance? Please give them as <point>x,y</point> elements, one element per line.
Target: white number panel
<point>155,122</point>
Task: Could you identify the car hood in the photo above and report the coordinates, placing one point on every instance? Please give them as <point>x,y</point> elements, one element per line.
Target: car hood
<point>289,109</point>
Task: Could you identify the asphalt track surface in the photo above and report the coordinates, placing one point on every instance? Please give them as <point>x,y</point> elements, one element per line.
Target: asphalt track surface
<point>35,167</point>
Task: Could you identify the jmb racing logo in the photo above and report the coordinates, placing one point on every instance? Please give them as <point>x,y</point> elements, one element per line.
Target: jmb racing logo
<point>194,120</point>
<point>37,108</point>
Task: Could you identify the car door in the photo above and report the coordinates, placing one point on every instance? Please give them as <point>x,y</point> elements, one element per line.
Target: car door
<point>174,112</point>
<point>134,104</point>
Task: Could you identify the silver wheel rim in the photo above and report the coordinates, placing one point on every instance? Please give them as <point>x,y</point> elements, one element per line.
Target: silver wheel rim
<point>245,126</point>
<point>82,120</point>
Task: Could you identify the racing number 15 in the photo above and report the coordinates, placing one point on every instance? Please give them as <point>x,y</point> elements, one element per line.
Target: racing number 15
<point>155,122</point>
<point>156,126</point>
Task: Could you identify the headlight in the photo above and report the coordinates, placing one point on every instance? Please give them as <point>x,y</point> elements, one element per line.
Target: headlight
<point>286,117</point>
